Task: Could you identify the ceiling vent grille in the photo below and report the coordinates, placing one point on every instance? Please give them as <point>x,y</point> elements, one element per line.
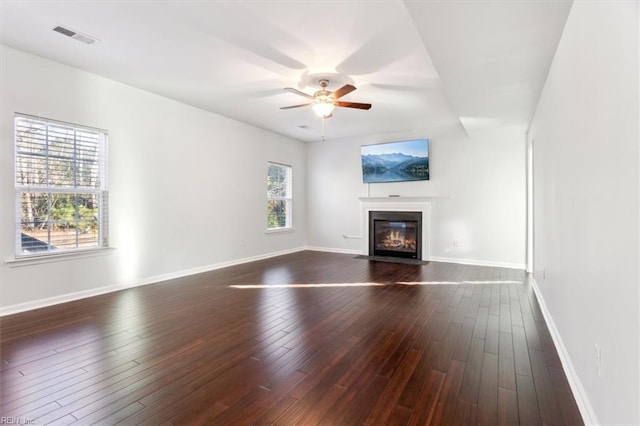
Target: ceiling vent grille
<point>75,35</point>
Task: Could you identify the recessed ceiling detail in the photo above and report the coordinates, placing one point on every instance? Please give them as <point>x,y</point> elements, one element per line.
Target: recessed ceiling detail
<point>422,64</point>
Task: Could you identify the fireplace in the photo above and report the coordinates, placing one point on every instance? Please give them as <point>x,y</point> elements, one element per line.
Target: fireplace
<point>395,234</point>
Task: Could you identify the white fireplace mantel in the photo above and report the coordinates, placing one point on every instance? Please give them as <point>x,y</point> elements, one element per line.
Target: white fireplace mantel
<point>398,204</point>
<point>396,199</point>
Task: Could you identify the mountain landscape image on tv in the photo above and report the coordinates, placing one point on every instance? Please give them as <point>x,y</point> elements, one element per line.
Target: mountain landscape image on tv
<point>395,161</point>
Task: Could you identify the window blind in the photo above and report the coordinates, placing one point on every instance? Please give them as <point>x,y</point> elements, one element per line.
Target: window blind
<point>61,186</point>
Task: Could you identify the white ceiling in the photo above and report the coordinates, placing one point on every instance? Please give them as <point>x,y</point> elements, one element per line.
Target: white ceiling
<point>425,66</point>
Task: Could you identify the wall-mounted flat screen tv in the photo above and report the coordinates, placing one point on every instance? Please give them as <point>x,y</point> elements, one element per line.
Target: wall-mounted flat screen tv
<point>395,161</point>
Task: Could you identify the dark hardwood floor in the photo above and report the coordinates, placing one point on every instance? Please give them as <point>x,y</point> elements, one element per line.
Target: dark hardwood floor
<point>307,338</point>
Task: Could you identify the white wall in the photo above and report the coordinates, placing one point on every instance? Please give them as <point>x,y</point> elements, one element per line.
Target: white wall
<point>478,185</point>
<point>187,187</point>
<point>586,185</point>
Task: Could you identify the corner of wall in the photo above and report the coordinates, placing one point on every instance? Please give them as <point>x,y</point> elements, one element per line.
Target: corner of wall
<point>638,65</point>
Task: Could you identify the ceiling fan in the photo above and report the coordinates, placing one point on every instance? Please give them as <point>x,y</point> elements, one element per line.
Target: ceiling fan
<point>324,101</point>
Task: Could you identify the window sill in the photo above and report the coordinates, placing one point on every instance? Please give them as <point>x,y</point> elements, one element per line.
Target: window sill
<point>278,230</point>
<point>57,257</point>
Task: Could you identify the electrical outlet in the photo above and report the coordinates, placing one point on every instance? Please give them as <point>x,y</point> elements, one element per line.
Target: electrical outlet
<point>456,243</point>
<point>598,360</point>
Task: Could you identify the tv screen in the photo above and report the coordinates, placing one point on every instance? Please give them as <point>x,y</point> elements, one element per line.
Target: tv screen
<point>395,161</point>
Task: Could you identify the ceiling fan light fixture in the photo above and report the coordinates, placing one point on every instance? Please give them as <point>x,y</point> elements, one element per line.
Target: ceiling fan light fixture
<point>324,101</point>
<point>323,108</point>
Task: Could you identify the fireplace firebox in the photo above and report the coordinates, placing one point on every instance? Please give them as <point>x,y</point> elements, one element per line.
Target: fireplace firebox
<point>395,234</point>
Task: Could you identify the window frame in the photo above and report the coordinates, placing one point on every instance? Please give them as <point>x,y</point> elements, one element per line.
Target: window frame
<point>100,191</point>
<point>288,199</point>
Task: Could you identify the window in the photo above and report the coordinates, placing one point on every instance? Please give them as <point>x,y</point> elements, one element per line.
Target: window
<point>61,186</point>
<point>278,196</point>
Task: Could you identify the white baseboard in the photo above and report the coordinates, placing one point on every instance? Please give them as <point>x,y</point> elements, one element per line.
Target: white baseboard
<point>41,303</point>
<point>478,262</point>
<point>212,267</point>
<point>333,250</point>
<point>50,301</point>
<point>584,405</point>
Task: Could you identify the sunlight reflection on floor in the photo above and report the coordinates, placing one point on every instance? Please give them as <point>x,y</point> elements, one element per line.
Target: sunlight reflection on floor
<point>307,285</point>
<point>246,286</point>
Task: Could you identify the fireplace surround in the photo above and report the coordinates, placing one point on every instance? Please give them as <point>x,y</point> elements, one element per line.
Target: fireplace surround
<point>397,204</point>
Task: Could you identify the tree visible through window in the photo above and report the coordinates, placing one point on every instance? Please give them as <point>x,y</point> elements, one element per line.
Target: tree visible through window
<point>279,196</point>
<point>61,188</point>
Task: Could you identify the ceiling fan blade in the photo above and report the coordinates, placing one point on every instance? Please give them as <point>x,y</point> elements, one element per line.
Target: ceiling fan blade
<point>347,88</point>
<point>357,105</point>
<point>295,106</point>
<point>297,92</point>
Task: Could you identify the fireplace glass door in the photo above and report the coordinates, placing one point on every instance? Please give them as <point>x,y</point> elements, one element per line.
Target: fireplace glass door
<point>396,234</point>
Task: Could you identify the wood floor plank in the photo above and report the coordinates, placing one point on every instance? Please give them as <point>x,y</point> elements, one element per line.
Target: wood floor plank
<point>494,303</point>
<point>474,302</point>
<point>548,348</point>
<point>480,323</point>
<point>445,412</point>
<point>461,350</point>
<point>465,413</point>
<point>516,314</point>
<point>507,407</point>
<point>448,345</point>
<point>505,317</point>
<point>270,415</point>
<point>568,406</point>
<point>492,336</point>
<point>472,372</point>
<point>397,357</point>
<point>528,409</point>
<point>411,396</point>
<point>488,398</point>
<point>531,333</point>
<point>387,399</point>
<point>304,338</point>
<point>429,396</point>
<point>521,359</point>
<point>506,366</point>
<point>545,390</point>
<point>399,416</point>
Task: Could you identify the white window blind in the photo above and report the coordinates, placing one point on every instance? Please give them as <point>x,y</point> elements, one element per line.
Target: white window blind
<point>61,186</point>
<point>279,196</point>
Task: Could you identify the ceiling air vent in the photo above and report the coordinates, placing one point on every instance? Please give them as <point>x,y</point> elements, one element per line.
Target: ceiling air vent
<point>75,35</point>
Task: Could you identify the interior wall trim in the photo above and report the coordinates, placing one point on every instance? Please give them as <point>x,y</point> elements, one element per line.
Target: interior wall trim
<point>582,399</point>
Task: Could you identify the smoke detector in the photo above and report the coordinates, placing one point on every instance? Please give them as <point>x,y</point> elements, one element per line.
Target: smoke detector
<point>86,39</point>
